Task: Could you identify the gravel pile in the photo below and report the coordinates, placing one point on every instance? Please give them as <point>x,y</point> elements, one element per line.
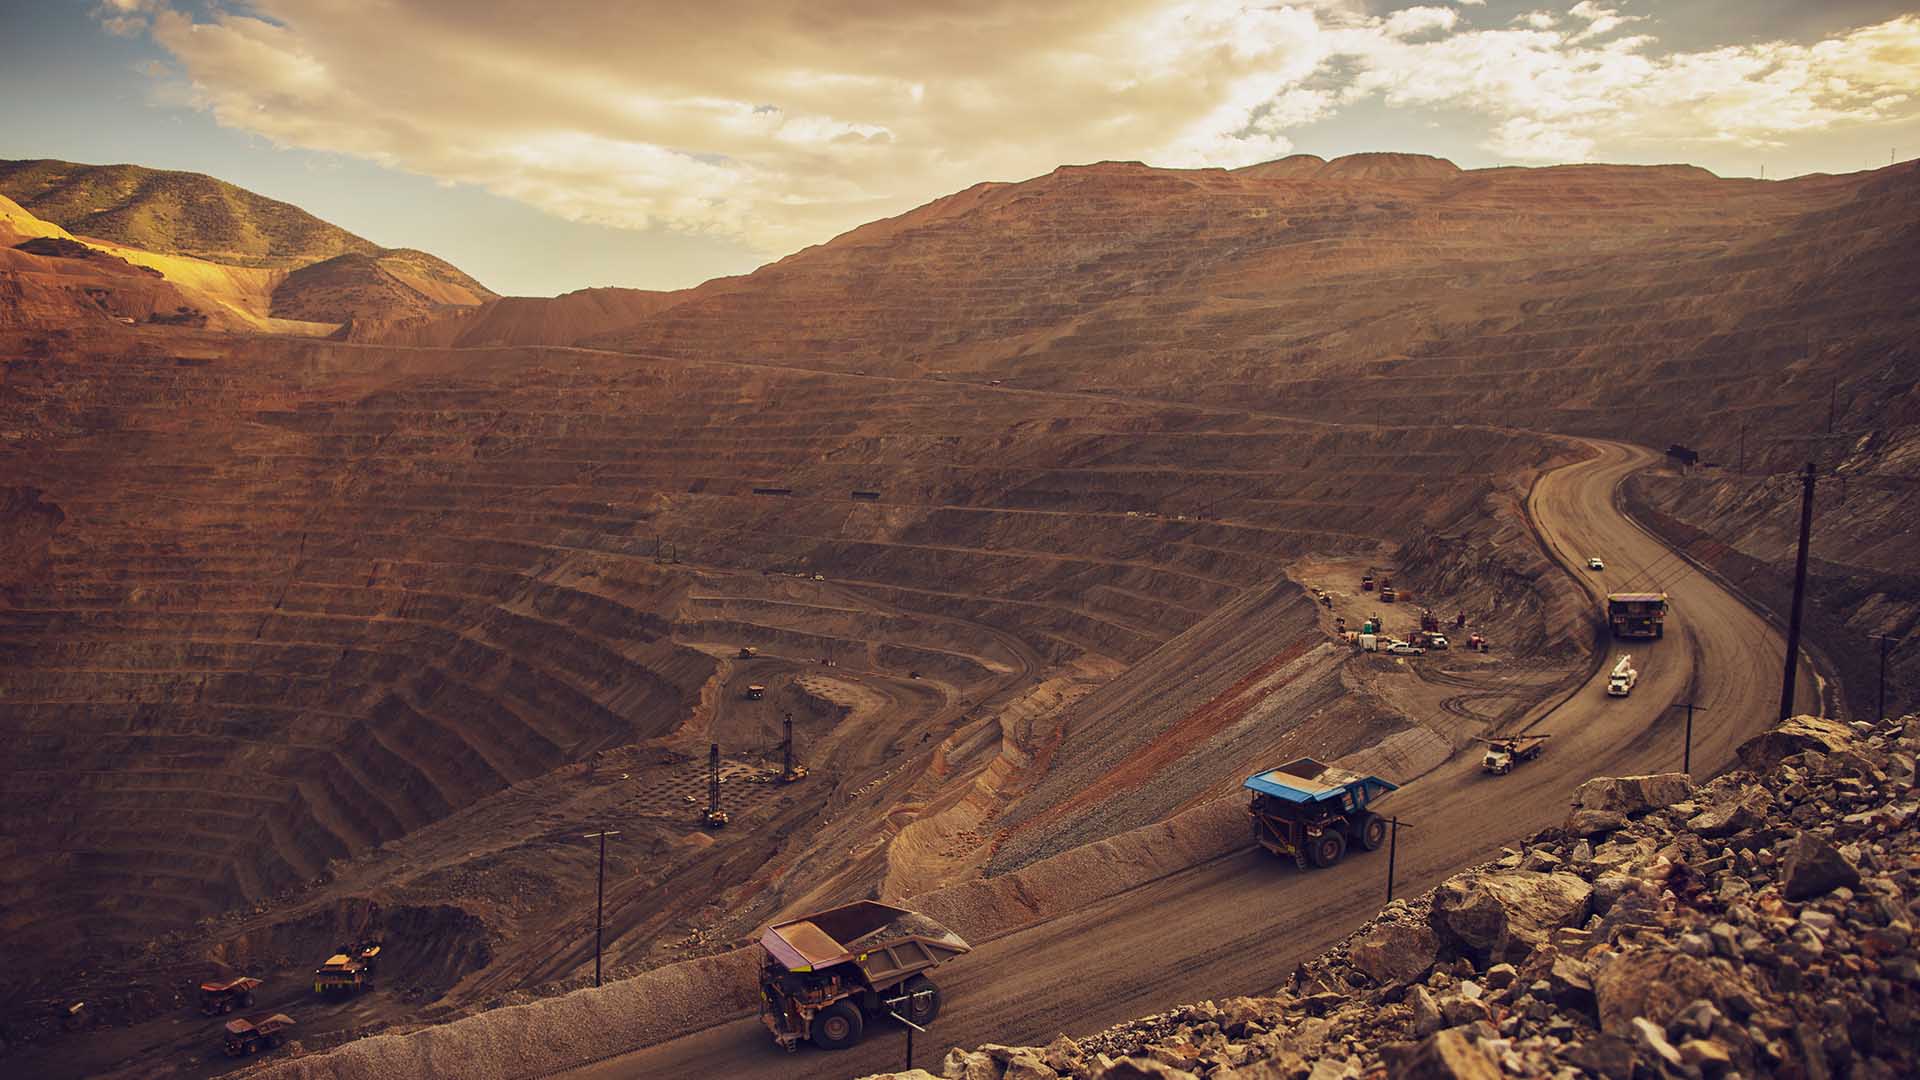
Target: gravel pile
<point>1761,924</point>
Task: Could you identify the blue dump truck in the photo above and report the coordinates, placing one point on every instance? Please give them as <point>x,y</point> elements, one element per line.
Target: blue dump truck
<point>1312,812</point>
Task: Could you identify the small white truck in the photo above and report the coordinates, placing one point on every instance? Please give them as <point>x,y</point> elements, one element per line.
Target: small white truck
<point>1620,682</point>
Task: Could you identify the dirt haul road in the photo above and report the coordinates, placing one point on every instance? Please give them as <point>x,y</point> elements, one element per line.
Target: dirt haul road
<point>1238,924</point>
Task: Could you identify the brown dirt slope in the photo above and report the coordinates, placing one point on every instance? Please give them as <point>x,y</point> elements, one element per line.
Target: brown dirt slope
<point>51,281</point>
<point>520,320</point>
<point>396,283</point>
<point>1653,303</point>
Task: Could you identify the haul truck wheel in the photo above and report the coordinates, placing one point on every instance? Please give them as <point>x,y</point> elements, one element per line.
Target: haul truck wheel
<point>837,1026</point>
<point>1372,832</point>
<point>1328,848</point>
<point>922,1010</point>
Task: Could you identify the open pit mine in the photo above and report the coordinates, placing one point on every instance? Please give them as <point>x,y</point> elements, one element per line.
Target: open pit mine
<point>1066,602</point>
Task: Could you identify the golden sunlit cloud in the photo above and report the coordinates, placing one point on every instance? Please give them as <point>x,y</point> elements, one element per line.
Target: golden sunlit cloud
<point>781,124</point>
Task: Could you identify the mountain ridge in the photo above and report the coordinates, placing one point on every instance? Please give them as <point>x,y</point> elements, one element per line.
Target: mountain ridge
<point>186,215</point>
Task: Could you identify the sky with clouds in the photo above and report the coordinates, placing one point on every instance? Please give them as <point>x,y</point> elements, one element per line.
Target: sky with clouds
<point>551,145</point>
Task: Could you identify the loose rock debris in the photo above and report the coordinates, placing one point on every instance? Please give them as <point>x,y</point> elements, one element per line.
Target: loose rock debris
<point>1761,924</point>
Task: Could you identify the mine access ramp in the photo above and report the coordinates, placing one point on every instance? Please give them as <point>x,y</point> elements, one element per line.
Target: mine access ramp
<point>1311,811</point>
<point>828,973</point>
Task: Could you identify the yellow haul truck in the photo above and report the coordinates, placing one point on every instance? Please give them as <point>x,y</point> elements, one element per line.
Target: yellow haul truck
<point>826,974</point>
<point>347,971</point>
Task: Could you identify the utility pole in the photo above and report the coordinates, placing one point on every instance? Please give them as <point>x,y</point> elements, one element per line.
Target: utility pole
<point>1799,595</point>
<point>1686,756</point>
<point>599,897</point>
<point>905,1002</point>
<point>1394,825</point>
<point>1742,469</point>
<point>1886,646</point>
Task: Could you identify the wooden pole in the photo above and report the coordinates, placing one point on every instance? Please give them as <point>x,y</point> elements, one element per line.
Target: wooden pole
<point>599,898</point>
<point>1799,595</point>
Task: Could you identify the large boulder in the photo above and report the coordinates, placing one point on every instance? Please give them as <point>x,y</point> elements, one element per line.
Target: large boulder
<point>1504,914</point>
<point>969,1065</point>
<point>1790,737</point>
<point>1659,984</point>
<point>1747,811</point>
<point>1139,1068</point>
<point>1594,823</point>
<point>1395,952</point>
<point>1633,794</point>
<point>1815,868</point>
<point>1444,1055</point>
<point>1028,1066</point>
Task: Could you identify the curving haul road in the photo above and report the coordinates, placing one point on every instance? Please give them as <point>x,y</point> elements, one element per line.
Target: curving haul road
<point>1239,924</point>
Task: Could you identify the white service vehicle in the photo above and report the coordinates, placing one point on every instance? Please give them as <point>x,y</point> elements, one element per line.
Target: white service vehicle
<point>1620,682</point>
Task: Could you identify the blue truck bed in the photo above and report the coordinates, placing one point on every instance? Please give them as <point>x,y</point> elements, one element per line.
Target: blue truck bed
<point>1305,780</point>
<point>1311,811</point>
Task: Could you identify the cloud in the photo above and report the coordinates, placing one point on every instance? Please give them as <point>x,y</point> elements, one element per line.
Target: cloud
<point>778,123</point>
<point>1414,21</point>
<point>1553,95</point>
<point>1599,20</point>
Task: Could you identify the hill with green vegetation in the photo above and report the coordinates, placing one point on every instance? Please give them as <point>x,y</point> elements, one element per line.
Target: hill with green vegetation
<point>175,213</point>
<point>331,275</point>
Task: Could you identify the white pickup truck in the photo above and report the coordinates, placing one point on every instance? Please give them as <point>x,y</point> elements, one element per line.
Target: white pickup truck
<point>1620,682</point>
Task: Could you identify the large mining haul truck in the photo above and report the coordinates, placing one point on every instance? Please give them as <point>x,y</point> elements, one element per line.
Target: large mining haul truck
<point>1311,812</point>
<point>827,974</point>
<point>245,1037</point>
<point>348,971</point>
<point>223,996</point>
<point>1637,615</point>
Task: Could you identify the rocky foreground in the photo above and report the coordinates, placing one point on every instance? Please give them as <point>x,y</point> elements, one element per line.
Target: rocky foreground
<point>1761,924</point>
